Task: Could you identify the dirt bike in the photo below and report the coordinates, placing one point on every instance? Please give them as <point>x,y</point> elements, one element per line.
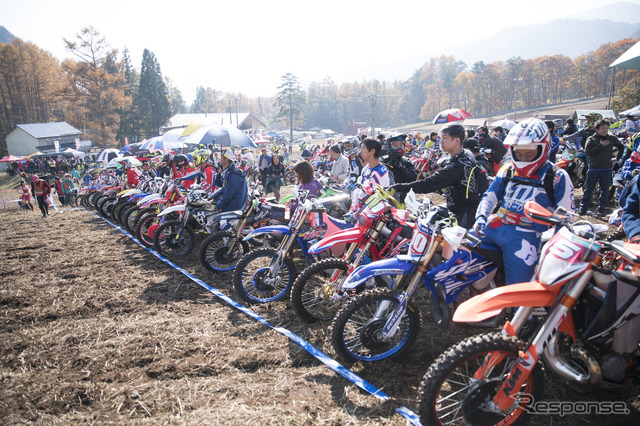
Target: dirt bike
<point>175,238</point>
<point>574,161</point>
<point>147,220</point>
<point>221,250</point>
<point>381,232</point>
<point>592,320</point>
<point>266,274</point>
<point>382,323</point>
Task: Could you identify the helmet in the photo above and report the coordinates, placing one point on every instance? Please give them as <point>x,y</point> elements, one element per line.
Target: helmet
<point>200,157</point>
<point>180,160</point>
<point>531,133</point>
<point>168,158</point>
<point>471,144</point>
<point>396,136</point>
<point>354,149</point>
<point>34,178</point>
<point>594,115</point>
<point>125,163</point>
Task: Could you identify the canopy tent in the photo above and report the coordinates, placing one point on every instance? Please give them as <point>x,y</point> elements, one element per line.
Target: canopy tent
<point>106,155</point>
<point>10,158</point>
<point>633,112</point>
<point>629,59</point>
<point>75,153</point>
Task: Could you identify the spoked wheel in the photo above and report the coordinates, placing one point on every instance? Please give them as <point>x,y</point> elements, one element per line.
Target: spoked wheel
<point>313,295</point>
<point>454,391</point>
<point>171,241</point>
<point>290,178</point>
<point>130,217</point>
<point>146,225</point>
<point>215,254</point>
<point>106,208</point>
<point>254,281</point>
<point>357,331</point>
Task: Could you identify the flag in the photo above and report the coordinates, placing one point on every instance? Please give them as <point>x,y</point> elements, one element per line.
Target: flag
<point>56,145</point>
<point>126,141</point>
<point>77,144</point>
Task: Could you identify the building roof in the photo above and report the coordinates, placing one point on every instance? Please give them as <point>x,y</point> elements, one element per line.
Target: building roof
<point>49,130</point>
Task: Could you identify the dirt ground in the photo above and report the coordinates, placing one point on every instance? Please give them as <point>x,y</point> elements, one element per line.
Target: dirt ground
<point>96,329</point>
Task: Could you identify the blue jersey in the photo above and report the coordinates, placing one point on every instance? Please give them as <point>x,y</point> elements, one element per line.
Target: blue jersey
<point>510,195</point>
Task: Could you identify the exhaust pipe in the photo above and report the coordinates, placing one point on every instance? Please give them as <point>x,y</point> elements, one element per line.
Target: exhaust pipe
<point>563,368</point>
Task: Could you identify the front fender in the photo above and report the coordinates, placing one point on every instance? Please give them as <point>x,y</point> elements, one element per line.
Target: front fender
<point>180,208</point>
<point>272,229</point>
<point>491,303</point>
<point>363,273</point>
<point>149,198</point>
<point>345,236</point>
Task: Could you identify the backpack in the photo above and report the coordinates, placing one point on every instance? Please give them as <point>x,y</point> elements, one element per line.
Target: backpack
<point>547,182</point>
<point>482,182</point>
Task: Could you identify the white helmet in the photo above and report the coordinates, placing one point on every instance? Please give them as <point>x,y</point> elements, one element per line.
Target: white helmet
<point>531,133</point>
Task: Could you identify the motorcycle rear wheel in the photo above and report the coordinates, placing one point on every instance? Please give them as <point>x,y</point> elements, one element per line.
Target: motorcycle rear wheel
<point>449,394</point>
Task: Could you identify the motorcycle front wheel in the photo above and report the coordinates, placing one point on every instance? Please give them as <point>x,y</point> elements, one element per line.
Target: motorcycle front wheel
<point>215,255</point>
<point>356,333</point>
<point>312,291</point>
<point>450,394</point>
<point>253,281</point>
<point>167,242</point>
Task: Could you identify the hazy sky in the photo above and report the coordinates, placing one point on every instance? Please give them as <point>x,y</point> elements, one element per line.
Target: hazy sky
<point>246,46</point>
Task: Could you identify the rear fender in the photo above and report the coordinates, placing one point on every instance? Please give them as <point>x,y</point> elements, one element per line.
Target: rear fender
<point>491,303</point>
<point>363,273</point>
<point>346,236</point>
<point>181,208</point>
<point>272,229</point>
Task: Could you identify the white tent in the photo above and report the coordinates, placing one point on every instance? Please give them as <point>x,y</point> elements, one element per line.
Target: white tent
<point>77,154</point>
<point>633,112</point>
<point>106,155</point>
<point>629,59</point>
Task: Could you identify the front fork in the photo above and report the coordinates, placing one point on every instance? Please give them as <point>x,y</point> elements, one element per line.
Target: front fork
<point>393,322</point>
<point>286,244</point>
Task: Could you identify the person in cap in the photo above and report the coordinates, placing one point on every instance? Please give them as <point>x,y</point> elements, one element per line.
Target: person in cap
<point>232,183</point>
<point>473,146</point>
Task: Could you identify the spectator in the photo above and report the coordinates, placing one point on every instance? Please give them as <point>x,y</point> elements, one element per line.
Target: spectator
<point>599,149</point>
<point>264,161</point>
<point>497,148</point>
<point>232,183</point>
<point>275,173</point>
<point>555,141</point>
<point>340,169</point>
<point>41,190</point>
<point>25,195</point>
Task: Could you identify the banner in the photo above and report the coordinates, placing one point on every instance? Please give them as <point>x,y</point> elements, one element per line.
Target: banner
<point>56,145</point>
<point>126,141</point>
<point>77,144</point>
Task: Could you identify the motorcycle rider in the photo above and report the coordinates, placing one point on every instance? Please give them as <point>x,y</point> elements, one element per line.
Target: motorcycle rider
<point>462,178</point>
<point>525,178</point>
<point>374,173</point>
<point>183,170</point>
<point>351,150</point>
<point>401,169</point>
<point>202,160</point>
<point>232,183</point>
<point>587,130</point>
<point>472,145</point>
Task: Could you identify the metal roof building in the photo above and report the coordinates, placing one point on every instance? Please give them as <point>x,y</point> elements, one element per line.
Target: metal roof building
<point>25,139</point>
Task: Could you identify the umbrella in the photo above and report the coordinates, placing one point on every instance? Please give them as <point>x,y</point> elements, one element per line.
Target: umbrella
<point>450,115</point>
<point>223,135</point>
<point>75,153</point>
<point>633,112</point>
<point>11,158</point>
<point>133,147</point>
<point>505,124</point>
<point>114,162</point>
<point>199,124</point>
<point>35,153</point>
<point>273,135</point>
<point>174,135</point>
<point>157,143</point>
<point>261,141</point>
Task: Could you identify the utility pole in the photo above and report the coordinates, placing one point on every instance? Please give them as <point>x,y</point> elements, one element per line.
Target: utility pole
<point>515,112</point>
<point>230,116</point>
<point>372,102</point>
<point>613,75</point>
<point>237,123</point>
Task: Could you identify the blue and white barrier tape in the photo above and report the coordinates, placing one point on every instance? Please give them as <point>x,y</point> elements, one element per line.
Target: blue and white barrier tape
<point>318,354</point>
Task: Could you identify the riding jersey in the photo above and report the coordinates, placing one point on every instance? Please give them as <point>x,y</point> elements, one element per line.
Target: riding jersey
<point>510,194</point>
<point>207,176</point>
<point>633,163</point>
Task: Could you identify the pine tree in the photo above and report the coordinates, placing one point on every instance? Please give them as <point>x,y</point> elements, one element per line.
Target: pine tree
<point>290,102</point>
<point>151,101</point>
<point>129,120</point>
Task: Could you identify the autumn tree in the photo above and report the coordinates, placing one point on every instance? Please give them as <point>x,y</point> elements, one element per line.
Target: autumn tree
<point>96,91</point>
<point>30,84</point>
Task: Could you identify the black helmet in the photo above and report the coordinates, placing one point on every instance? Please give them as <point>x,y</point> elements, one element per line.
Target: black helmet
<point>396,136</point>
<point>180,160</point>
